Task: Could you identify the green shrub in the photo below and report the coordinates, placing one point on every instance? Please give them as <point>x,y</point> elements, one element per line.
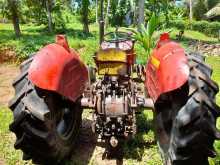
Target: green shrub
<point>59,21</point>
<point>209,28</point>
<point>92,15</point>
<point>201,26</point>
<point>199,10</point>
<point>179,24</point>
<point>214,28</point>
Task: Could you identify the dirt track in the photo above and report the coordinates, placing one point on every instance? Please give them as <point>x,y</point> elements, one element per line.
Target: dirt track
<point>7,74</point>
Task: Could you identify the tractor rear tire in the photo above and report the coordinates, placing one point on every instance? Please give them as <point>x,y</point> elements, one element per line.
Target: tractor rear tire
<point>45,124</point>
<point>185,119</point>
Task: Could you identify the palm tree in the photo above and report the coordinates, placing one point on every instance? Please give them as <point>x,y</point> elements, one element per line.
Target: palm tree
<point>215,11</point>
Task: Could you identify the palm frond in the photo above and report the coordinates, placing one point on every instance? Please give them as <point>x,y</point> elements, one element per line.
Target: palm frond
<point>214,11</point>
<point>144,35</point>
<point>152,25</point>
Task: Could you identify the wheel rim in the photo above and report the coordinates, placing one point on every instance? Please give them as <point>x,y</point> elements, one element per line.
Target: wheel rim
<point>66,123</point>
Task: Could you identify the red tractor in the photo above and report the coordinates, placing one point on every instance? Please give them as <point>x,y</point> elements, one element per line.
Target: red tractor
<point>55,85</point>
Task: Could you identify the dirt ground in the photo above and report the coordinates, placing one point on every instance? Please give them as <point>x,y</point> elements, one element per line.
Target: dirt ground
<point>7,54</point>
<point>8,72</point>
<point>87,150</point>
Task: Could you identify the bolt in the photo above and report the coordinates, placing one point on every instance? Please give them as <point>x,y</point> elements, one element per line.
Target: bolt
<point>119,119</point>
<point>113,126</point>
<point>113,142</point>
<point>108,119</point>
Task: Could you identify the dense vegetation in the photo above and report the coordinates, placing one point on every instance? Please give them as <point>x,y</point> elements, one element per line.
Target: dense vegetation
<point>209,28</point>
<point>55,14</point>
<point>79,20</point>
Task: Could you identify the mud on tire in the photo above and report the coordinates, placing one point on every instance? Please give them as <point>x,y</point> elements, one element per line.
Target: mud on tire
<point>185,119</point>
<point>45,124</point>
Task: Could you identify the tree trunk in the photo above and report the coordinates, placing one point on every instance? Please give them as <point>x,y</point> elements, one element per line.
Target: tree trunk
<point>13,5</point>
<point>49,16</point>
<point>85,15</point>
<point>96,11</point>
<point>135,15</point>
<point>101,22</point>
<point>132,10</point>
<point>86,28</point>
<point>190,11</point>
<point>107,15</point>
<point>140,13</point>
<point>17,30</point>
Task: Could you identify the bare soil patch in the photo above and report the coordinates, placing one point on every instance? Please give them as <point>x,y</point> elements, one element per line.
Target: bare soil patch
<point>2,162</point>
<point>7,55</point>
<point>7,75</point>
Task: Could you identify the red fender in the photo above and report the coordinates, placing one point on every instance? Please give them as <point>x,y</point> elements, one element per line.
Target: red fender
<point>58,68</point>
<point>167,68</point>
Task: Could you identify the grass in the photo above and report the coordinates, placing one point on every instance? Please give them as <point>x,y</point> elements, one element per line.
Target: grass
<point>35,37</point>
<point>214,62</point>
<point>8,154</point>
<point>142,149</point>
<point>194,35</point>
<point>190,35</point>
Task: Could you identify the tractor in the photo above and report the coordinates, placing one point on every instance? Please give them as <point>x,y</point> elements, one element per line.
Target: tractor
<point>55,86</point>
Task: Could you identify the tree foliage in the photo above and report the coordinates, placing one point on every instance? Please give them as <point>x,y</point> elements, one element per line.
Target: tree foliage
<point>55,14</point>
<point>84,11</point>
<point>119,10</point>
<point>212,3</point>
<point>200,9</point>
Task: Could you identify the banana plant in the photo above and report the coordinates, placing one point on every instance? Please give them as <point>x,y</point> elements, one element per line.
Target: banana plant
<point>144,36</point>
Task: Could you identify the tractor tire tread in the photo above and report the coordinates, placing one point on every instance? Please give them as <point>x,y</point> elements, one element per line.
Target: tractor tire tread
<point>37,138</point>
<point>193,130</point>
<point>24,65</point>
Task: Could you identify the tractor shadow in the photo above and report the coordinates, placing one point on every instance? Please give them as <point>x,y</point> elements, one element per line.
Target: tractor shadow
<point>88,150</point>
<point>85,145</point>
<point>134,148</point>
<point>144,139</point>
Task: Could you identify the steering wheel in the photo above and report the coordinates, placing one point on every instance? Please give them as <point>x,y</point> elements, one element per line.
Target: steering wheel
<point>117,37</point>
